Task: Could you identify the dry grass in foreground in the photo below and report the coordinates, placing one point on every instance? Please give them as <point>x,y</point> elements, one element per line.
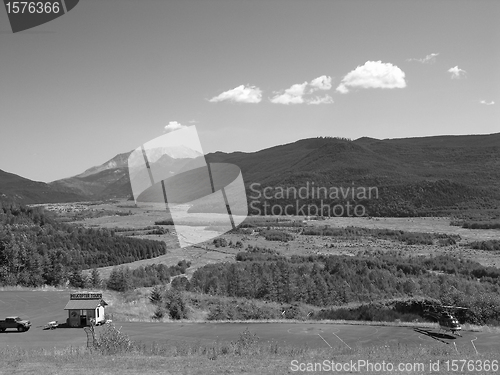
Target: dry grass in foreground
<point>247,355</point>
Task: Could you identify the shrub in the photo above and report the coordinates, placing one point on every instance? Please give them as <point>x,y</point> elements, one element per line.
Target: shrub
<point>112,341</point>
<point>158,230</point>
<point>221,309</point>
<point>246,342</point>
<point>220,242</point>
<point>165,222</point>
<point>180,283</point>
<point>159,313</point>
<point>276,235</point>
<point>446,241</point>
<point>489,245</point>
<point>182,265</point>
<point>481,225</point>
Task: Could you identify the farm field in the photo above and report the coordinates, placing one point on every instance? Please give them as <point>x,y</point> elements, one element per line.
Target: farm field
<point>43,306</point>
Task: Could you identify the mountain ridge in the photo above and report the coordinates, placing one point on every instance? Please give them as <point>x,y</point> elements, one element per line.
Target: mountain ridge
<point>470,164</point>
<point>15,187</point>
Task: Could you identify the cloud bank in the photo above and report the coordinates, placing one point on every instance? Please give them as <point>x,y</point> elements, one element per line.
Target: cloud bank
<point>373,74</point>
<point>240,94</point>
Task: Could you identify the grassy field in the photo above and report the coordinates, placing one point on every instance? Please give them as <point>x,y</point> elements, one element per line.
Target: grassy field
<point>245,355</point>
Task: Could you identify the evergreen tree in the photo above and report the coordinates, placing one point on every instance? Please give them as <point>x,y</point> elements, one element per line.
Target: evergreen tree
<point>175,304</point>
<point>76,279</point>
<point>159,313</point>
<point>156,297</point>
<point>119,279</point>
<point>95,278</point>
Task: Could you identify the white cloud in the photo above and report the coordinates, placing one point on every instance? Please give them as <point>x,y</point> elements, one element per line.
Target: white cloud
<point>327,99</point>
<point>487,103</point>
<point>174,125</point>
<point>456,72</point>
<point>373,74</point>
<point>429,59</point>
<point>240,94</point>
<point>293,95</point>
<point>321,83</point>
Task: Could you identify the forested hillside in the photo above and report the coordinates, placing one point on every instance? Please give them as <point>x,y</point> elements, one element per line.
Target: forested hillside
<point>37,250</point>
<point>429,176</point>
<point>436,176</point>
<point>337,280</point>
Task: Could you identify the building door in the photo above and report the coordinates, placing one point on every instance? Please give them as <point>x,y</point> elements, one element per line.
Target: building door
<point>74,318</point>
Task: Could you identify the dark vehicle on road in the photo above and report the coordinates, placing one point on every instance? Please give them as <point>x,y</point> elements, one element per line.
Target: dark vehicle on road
<point>15,322</point>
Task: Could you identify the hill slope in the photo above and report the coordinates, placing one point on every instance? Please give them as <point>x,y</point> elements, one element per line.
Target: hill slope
<point>413,175</point>
<point>472,160</point>
<point>22,189</point>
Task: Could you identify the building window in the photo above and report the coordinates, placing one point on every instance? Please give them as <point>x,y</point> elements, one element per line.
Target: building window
<point>97,310</point>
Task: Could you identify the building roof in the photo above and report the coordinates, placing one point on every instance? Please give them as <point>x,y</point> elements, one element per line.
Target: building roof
<point>84,304</point>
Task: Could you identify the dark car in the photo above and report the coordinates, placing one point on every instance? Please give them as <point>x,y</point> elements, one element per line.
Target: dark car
<point>16,323</point>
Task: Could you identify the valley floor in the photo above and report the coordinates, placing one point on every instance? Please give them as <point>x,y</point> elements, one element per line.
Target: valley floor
<point>207,253</point>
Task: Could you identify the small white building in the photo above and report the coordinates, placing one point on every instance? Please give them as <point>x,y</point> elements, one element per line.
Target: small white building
<point>82,307</point>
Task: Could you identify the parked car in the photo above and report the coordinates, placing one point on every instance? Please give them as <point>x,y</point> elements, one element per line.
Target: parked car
<point>51,325</point>
<point>16,323</point>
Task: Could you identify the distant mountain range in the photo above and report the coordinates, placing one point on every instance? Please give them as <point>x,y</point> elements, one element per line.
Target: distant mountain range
<point>21,189</point>
<point>449,172</point>
<point>111,179</point>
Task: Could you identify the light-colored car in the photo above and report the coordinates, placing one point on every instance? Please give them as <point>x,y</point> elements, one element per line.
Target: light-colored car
<point>51,325</point>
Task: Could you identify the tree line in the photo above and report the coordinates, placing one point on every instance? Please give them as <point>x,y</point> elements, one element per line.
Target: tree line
<point>337,280</point>
<point>123,278</point>
<point>35,249</point>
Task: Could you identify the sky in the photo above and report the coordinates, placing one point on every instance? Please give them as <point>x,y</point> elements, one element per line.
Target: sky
<point>109,76</point>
